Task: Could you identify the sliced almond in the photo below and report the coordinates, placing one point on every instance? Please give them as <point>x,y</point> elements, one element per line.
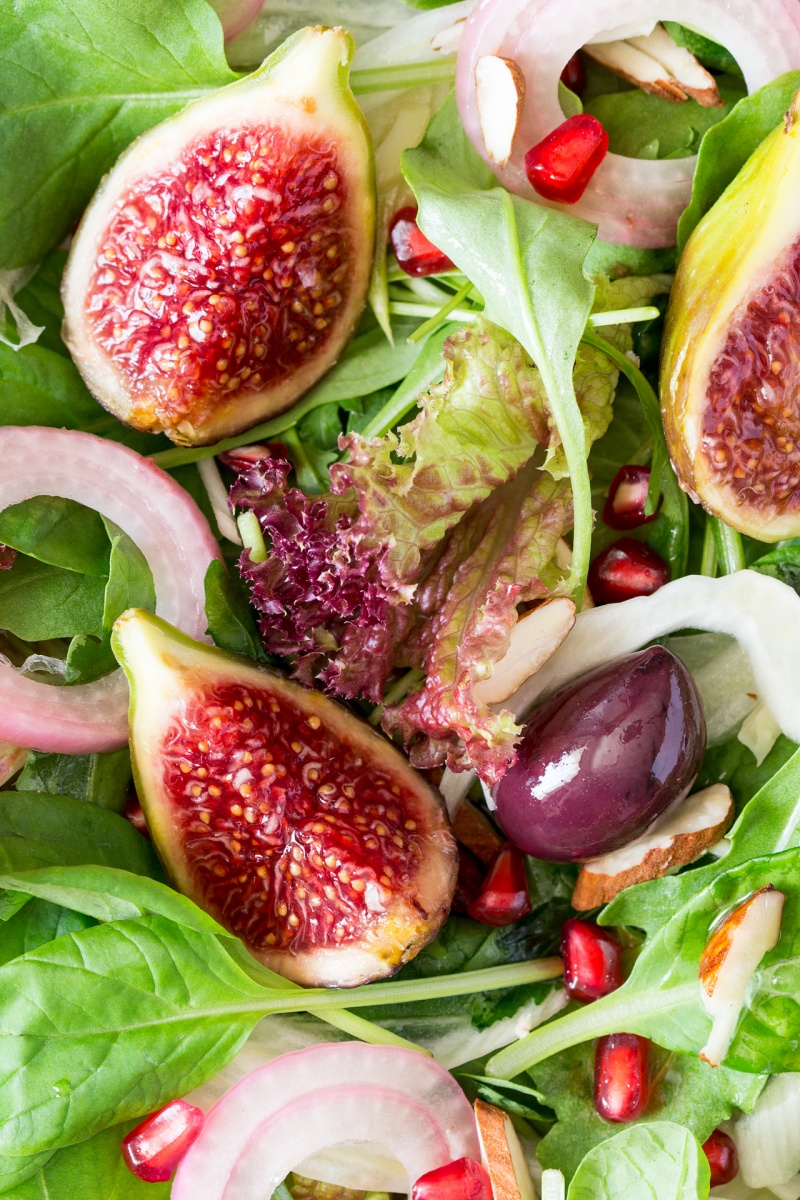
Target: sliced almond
<point>447,41</point>
<point>629,63</point>
<point>676,839</point>
<point>476,832</point>
<point>682,66</point>
<point>502,1154</point>
<point>536,636</point>
<point>730,960</point>
<point>500,97</point>
<point>12,759</point>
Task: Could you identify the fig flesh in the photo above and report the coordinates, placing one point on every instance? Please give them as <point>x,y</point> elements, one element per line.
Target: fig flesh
<point>731,367</point>
<point>602,758</point>
<point>224,261</point>
<point>280,813</point>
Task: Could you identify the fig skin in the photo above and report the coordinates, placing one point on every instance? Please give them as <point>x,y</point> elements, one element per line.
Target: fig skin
<point>729,370</point>
<point>224,262</point>
<point>603,757</point>
<point>280,813</point>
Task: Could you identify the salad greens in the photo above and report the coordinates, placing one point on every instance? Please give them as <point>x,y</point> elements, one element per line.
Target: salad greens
<point>661,1160</point>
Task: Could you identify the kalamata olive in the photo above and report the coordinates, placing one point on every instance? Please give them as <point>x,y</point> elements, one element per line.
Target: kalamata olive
<point>603,757</point>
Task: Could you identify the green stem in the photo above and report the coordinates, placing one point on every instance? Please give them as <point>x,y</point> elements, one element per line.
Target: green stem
<point>251,535</point>
<point>397,692</point>
<point>730,548</point>
<point>390,79</point>
<point>624,316</point>
<point>402,308</point>
<point>427,370</point>
<point>708,563</point>
<point>308,478</point>
<point>447,310</point>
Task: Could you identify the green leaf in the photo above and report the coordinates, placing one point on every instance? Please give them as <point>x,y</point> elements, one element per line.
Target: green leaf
<point>38,923</point>
<point>527,263</point>
<point>81,80</point>
<point>39,602</point>
<point>59,532</point>
<point>711,55</point>
<point>661,1161</point>
<point>685,1090</point>
<point>783,564</point>
<point>230,618</point>
<point>102,779</point>
<point>40,300</point>
<point>727,146</point>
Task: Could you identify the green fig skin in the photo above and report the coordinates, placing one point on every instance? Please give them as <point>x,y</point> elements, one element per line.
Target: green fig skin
<point>732,413</point>
<point>280,813</point>
<point>200,315</point>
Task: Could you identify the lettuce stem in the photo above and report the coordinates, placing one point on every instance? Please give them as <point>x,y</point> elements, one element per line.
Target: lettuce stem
<point>407,75</point>
<point>730,548</point>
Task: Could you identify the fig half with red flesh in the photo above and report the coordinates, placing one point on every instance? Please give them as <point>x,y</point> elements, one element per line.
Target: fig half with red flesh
<point>282,814</point>
<point>730,379</point>
<point>224,261</point>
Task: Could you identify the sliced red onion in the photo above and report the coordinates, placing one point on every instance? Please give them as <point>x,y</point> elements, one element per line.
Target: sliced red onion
<point>634,201</point>
<point>169,529</point>
<point>245,1131</point>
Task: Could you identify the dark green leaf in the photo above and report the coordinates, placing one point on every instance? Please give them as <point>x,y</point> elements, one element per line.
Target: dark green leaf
<point>661,1161</point>
<point>321,428</point>
<point>783,564</point>
<point>39,602</point>
<point>81,79</point>
<point>102,779</point>
<point>40,300</point>
<point>59,532</point>
<point>710,54</point>
<point>230,618</point>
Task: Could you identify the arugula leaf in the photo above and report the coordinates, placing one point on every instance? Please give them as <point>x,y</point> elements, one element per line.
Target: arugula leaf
<point>527,263</point>
<point>230,618</point>
<point>39,602</point>
<point>727,146</point>
<point>101,779</point>
<point>685,1090</point>
<point>662,1161</point>
<point>36,924</point>
<point>81,81</point>
<point>732,763</point>
<point>59,532</point>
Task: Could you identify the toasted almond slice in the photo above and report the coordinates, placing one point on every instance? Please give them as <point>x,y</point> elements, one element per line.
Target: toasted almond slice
<point>677,838</point>
<point>536,636</point>
<point>447,41</point>
<point>12,759</point>
<point>500,97</point>
<point>629,63</point>
<point>684,68</point>
<point>476,832</point>
<point>502,1154</point>
<point>730,960</point>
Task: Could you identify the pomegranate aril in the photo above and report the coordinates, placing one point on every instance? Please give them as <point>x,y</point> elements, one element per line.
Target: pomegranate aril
<point>720,1150</point>
<point>504,895</point>
<point>574,75</point>
<point>154,1148</point>
<point>627,496</point>
<point>621,1076</point>
<point>561,166</point>
<point>463,1179</point>
<point>592,960</point>
<point>626,569</point>
<point>415,254</point>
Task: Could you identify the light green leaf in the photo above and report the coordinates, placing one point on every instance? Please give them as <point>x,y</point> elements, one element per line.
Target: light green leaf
<point>38,923</point>
<point>661,1161</point>
<point>59,532</point>
<point>91,1170</point>
<point>39,602</point>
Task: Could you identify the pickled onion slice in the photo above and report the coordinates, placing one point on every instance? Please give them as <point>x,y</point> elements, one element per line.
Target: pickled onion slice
<point>385,1095</point>
<point>636,202</point>
<point>169,529</point>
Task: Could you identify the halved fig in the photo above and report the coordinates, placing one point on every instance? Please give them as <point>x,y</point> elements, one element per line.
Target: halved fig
<point>280,813</point>
<point>730,366</point>
<point>224,261</point>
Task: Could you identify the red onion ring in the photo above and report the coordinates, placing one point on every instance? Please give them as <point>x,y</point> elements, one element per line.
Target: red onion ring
<point>636,202</point>
<point>241,1125</point>
<point>169,529</point>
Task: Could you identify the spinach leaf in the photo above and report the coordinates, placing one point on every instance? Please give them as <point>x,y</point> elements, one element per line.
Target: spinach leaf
<point>36,924</point>
<point>127,1015</point>
<point>685,1090</point>
<point>91,1170</point>
<point>782,563</point>
<point>710,54</point>
<point>662,1161</point>
<point>40,300</point>
<point>39,602</point>
<point>230,619</point>
<point>81,81</point>
<point>59,532</point>
<point>726,148</point>
<point>101,779</point>
<point>527,263</point>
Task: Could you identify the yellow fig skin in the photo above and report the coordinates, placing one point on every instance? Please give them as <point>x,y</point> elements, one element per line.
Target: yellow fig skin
<point>740,246</point>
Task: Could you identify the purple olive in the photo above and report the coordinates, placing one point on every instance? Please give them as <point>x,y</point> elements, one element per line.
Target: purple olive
<point>603,757</point>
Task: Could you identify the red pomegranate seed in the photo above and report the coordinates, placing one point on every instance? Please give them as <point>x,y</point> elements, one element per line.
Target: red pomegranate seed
<point>621,1076</point>
<point>504,896</point>
<point>626,569</point>
<point>133,813</point>
<point>415,254</point>
<point>463,1179</point>
<point>561,166</point>
<point>153,1149</point>
<point>592,960</point>
<point>627,496</point>
<point>574,75</point>
<point>720,1150</point>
